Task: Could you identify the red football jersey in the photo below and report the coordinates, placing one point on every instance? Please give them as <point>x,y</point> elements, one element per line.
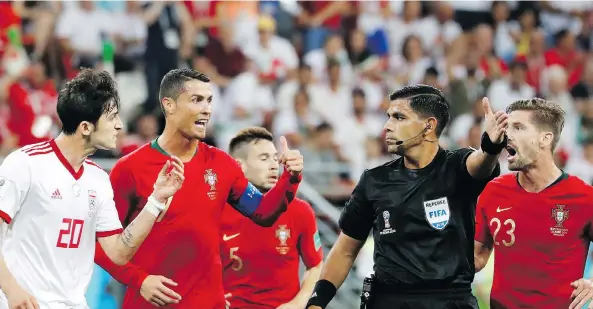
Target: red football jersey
<point>185,245</point>
<point>540,239</point>
<point>261,264</point>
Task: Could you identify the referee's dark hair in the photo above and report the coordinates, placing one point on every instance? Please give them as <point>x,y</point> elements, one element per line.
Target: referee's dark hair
<point>426,101</point>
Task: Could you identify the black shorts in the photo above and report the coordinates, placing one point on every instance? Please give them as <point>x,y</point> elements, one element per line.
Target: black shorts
<point>441,301</point>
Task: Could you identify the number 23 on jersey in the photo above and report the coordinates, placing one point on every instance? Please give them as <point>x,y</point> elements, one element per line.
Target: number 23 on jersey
<point>504,232</point>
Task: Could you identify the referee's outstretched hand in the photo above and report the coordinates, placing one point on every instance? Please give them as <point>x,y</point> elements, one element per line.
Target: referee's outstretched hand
<point>496,123</point>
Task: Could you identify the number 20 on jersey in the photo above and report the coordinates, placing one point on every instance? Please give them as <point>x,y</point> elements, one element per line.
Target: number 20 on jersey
<point>69,236</point>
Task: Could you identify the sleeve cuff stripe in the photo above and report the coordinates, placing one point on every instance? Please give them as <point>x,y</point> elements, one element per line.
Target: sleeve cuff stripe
<point>5,216</point>
<point>109,233</point>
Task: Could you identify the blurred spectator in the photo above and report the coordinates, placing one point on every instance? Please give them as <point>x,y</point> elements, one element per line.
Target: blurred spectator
<point>322,154</point>
<point>223,59</point>
<point>32,100</point>
<point>503,92</point>
<point>566,55</point>
<point>144,131</point>
<point>169,40</point>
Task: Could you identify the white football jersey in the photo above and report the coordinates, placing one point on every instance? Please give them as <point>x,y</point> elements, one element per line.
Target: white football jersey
<point>55,216</point>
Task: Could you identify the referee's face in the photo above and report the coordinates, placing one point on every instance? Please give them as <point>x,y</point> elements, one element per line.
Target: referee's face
<point>404,129</point>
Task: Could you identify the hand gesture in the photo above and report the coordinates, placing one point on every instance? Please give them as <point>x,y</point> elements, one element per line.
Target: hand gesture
<point>496,123</point>
<point>155,291</point>
<point>18,298</point>
<point>292,159</point>
<point>583,292</point>
<point>169,180</point>
<point>227,303</point>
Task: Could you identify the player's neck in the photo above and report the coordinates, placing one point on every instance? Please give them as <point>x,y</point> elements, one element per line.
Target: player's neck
<point>421,156</point>
<point>74,148</point>
<point>540,176</point>
<point>174,143</point>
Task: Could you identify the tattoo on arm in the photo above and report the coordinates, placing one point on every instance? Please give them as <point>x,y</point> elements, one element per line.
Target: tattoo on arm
<point>127,237</point>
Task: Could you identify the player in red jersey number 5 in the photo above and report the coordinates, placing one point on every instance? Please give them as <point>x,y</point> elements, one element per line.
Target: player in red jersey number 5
<point>538,219</point>
<point>264,274</point>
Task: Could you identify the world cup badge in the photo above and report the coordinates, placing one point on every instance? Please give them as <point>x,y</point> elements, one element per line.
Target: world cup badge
<point>386,219</point>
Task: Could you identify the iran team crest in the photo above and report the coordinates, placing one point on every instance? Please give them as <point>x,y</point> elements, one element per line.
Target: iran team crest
<point>560,214</point>
<point>437,213</point>
<point>92,202</point>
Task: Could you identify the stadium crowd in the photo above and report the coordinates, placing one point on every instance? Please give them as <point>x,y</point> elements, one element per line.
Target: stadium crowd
<point>318,72</point>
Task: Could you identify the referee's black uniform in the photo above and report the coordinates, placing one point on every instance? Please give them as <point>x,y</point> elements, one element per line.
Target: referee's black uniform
<point>423,228</point>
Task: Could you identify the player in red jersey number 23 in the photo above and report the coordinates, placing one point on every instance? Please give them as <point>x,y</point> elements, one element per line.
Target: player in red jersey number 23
<point>538,219</point>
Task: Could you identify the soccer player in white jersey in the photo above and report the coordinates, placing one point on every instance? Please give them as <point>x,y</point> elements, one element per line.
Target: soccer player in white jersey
<point>57,203</point>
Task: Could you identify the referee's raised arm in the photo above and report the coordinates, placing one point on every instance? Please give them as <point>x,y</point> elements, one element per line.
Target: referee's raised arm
<point>420,208</point>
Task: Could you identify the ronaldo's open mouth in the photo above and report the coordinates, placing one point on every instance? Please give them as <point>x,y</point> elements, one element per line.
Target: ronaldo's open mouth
<point>202,123</point>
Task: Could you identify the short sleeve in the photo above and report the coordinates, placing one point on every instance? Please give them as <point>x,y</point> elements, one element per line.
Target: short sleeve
<point>465,180</point>
<point>482,229</point>
<point>107,219</point>
<point>357,216</point>
<point>15,181</point>
<point>309,241</point>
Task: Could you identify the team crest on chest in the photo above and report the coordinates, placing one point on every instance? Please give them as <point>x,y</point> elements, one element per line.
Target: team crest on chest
<point>92,202</point>
<point>283,234</point>
<point>437,213</point>
<point>211,179</point>
<point>560,214</point>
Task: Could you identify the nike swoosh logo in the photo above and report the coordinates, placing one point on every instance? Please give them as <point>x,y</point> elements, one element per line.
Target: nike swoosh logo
<point>502,209</point>
<point>226,238</point>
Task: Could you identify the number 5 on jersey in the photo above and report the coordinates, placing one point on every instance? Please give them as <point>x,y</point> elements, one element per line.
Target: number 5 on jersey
<point>69,237</point>
<point>509,228</point>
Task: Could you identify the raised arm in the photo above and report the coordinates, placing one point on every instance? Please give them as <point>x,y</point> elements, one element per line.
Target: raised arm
<point>480,164</point>
<point>264,209</point>
<point>120,248</point>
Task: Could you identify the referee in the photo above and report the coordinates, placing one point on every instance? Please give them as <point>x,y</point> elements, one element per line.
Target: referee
<point>421,208</point>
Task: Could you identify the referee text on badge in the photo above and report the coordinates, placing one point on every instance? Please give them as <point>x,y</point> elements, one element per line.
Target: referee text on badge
<point>437,212</point>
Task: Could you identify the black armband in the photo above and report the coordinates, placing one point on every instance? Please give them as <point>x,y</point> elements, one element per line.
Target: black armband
<point>323,293</point>
<point>491,148</point>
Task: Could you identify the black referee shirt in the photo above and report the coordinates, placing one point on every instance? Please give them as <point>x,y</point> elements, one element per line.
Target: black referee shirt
<point>422,220</point>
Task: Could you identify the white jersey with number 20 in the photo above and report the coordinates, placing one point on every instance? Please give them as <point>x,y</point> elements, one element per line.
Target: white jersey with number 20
<point>54,216</point>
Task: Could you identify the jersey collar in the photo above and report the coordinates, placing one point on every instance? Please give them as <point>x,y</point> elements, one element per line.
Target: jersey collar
<point>563,176</point>
<point>154,144</point>
<point>64,161</point>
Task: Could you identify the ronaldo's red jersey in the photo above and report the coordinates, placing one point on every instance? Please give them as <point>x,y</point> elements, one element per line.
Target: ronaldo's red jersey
<point>185,245</point>
<point>261,264</point>
<point>540,240</point>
